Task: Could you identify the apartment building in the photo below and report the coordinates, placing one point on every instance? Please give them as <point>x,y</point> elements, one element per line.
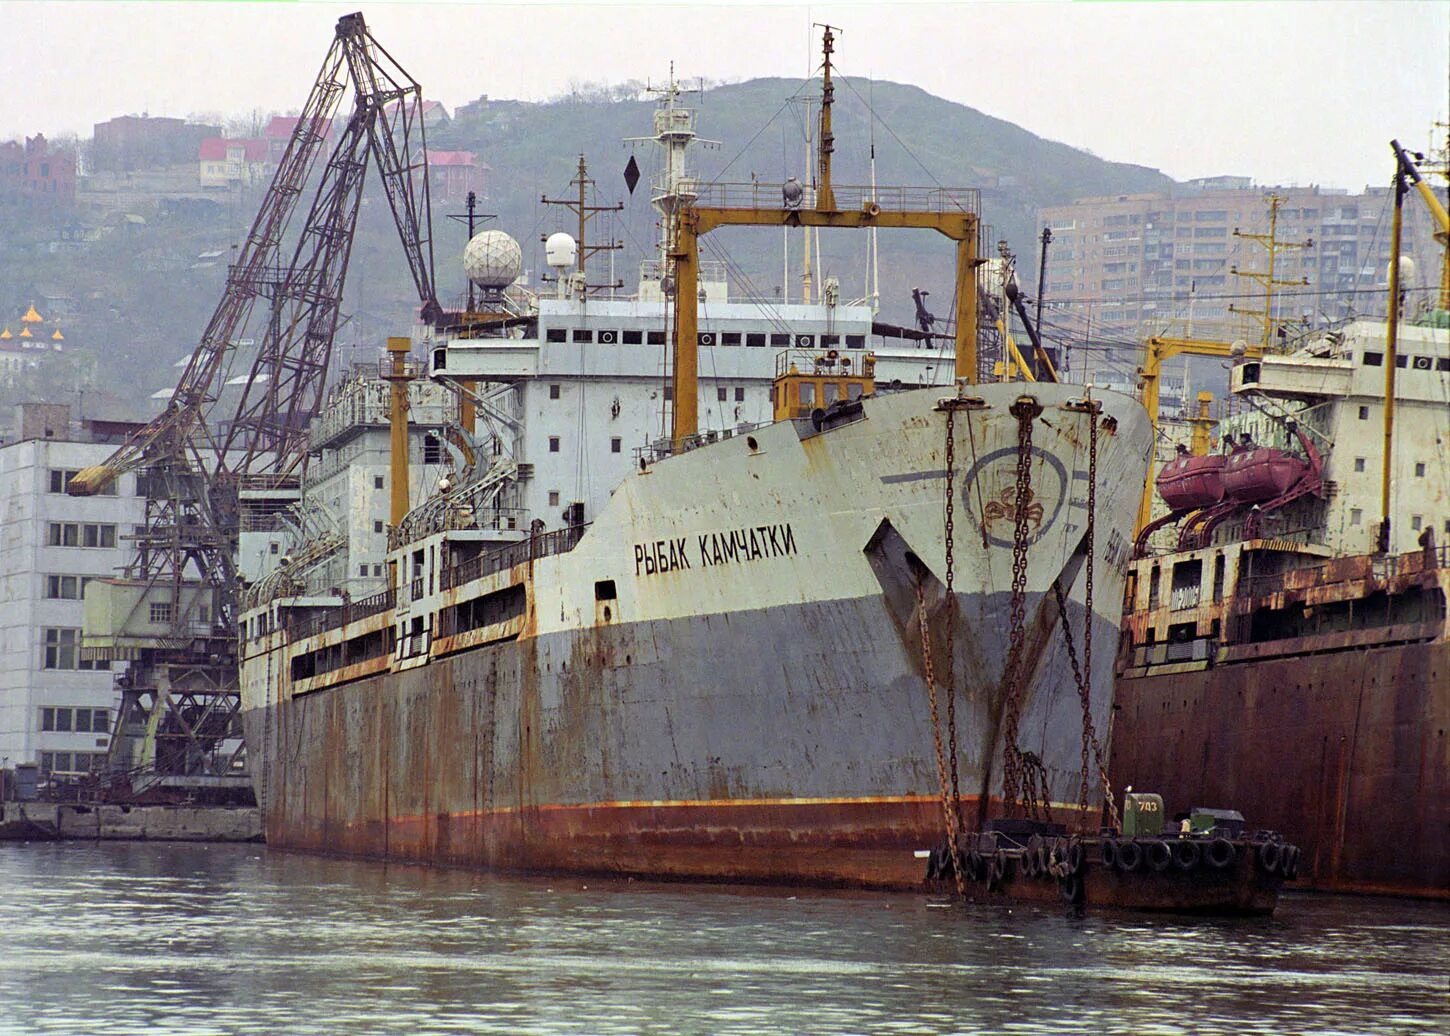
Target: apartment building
<point>57,709</point>
<point>1150,261</point>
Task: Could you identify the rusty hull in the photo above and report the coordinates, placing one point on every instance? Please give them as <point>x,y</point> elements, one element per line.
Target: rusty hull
<point>592,753</point>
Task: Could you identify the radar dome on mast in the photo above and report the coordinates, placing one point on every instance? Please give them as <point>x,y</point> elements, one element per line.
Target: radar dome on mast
<point>492,260</point>
<point>561,251</point>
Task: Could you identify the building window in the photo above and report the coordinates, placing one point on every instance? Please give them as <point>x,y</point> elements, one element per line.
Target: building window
<point>81,534</point>
<point>1364,413</point>
<point>553,391</point>
<point>65,588</point>
<point>556,334</point>
<point>377,525</point>
<point>780,340</point>
<point>553,444</point>
<point>1359,464</point>
<point>432,449</point>
<point>633,337</point>
<point>1416,522</point>
<point>581,335</point>
<point>60,649</point>
<point>615,444</point>
<point>64,534</point>
<point>362,570</point>
<point>1420,470</point>
<point>730,338</point>
<point>377,482</point>
<point>553,498</point>
<point>160,611</point>
<point>1355,516</point>
<point>377,571</point>
<point>71,762</point>
<point>721,393</point>
<point>755,341</point>
<point>739,394</point>
<point>272,548</point>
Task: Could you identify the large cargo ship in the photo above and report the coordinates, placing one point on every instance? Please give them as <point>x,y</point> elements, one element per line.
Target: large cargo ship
<point>1285,646</point>
<point>717,656</point>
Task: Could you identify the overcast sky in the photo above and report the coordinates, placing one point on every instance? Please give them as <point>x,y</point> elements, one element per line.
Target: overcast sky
<point>1285,92</point>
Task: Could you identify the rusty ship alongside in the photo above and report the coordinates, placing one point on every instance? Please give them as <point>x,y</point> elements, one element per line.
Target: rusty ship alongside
<point>1282,650</point>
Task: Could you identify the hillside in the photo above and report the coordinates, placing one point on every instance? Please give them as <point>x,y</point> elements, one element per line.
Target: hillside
<point>135,288</point>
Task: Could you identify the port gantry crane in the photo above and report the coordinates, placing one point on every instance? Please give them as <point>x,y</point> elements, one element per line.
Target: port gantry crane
<point>206,478</point>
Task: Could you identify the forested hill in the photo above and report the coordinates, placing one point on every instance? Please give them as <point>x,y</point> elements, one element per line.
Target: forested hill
<point>920,140</point>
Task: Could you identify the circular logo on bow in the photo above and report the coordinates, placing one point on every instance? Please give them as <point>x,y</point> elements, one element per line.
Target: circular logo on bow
<point>989,492</point>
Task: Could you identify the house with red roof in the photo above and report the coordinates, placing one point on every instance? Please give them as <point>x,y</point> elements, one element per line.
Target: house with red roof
<point>231,163</point>
<point>452,174</point>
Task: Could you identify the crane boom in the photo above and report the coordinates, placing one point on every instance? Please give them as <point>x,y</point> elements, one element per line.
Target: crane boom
<point>170,430</point>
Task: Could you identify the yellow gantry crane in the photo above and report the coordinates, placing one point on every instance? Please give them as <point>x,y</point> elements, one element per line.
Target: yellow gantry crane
<point>856,208</point>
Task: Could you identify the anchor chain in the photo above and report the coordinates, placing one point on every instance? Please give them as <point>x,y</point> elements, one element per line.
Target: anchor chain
<point>949,813</point>
<point>951,616</point>
<point>1090,742</point>
<point>1025,410</point>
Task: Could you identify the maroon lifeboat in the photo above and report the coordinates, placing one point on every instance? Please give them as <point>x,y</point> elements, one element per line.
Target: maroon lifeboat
<point>1187,483</point>
<point>1261,473</point>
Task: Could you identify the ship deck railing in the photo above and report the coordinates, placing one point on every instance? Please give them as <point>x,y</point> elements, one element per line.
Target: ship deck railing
<point>662,448</point>
<point>542,545</point>
<point>1382,569</point>
<point>849,197</point>
<point>342,615</point>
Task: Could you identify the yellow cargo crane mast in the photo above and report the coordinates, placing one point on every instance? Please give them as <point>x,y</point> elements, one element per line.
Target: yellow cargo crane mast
<point>951,213</point>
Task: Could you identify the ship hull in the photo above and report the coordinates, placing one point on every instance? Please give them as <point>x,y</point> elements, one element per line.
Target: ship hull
<point>725,676</point>
<point>1344,752</point>
<point>693,759</point>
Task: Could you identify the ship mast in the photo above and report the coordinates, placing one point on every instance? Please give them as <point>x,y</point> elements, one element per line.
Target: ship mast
<point>585,212</point>
<point>1273,246</point>
<point>672,189</point>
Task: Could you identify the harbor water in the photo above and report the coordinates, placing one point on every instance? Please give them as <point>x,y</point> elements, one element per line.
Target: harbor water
<point>198,939</point>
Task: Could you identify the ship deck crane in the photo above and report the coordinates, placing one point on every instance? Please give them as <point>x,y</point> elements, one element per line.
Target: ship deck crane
<point>174,615</point>
<point>949,213</point>
<point>1408,169</point>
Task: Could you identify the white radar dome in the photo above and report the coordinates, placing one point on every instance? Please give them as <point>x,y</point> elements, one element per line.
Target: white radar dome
<point>492,259</point>
<point>560,251</point>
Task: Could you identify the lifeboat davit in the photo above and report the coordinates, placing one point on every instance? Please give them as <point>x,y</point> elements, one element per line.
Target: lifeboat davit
<point>1188,482</point>
<point>1259,474</point>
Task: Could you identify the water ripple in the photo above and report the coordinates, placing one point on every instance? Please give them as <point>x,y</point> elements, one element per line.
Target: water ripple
<point>186,940</point>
